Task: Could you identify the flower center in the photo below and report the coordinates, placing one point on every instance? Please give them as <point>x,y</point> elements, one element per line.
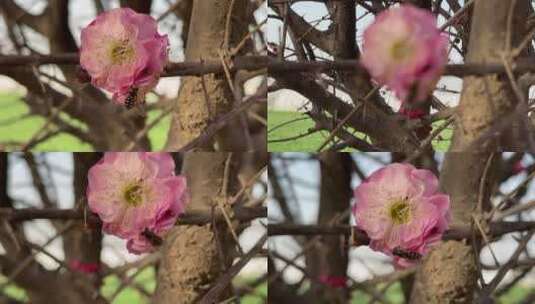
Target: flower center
<point>400,212</point>
<point>121,51</point>
<point>400,50</point>
<point>133,194</point>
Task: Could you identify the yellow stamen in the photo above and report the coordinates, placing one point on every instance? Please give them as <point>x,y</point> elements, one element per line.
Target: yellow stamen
<point>400,212</point>
<point>400,50</point>
<point>133,194</point>
<point>121,51</point>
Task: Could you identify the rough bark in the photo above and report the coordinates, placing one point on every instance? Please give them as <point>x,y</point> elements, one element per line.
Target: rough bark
<point>329,256</point>
<point>486,100</point>
<point>194,109</point>
<point>194,256</point>
<point>449,274</point>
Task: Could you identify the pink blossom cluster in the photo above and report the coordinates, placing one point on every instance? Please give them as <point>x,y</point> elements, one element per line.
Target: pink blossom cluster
<point>404,50</point>
<point>136,192</point>
<point>124,54</point>
<point>401,209</point>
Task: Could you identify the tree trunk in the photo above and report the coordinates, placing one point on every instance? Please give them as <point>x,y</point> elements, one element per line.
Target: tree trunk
<point>449,272</point>
<point>82,243</point>
<point>487,99</point>
<point>195,107</point>
<point>329,256</point>
<point>194,256</point>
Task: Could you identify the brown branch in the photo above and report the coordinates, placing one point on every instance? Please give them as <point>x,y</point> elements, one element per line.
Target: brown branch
<point>189,68</point>
<point>14,13</point>
<point>190,218</point>
<point>454,233</point>
<point>521,65</point>
<point>225,279</point>
<point>251,63</point>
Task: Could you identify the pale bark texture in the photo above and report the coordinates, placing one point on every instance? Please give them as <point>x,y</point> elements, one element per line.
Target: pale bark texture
<point>194,256</point>
<point>203,99</point>
<point>449,274</point>
<point>486,101</point>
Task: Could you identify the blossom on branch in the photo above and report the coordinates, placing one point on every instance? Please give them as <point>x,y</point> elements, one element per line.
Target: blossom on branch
<point>124,54</point>
<point>404,50</point>
<point>402,211</point>
<point>135,192</point>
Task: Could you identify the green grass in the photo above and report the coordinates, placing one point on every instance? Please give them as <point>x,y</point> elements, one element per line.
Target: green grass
<point>146,279</point>
<point>515,295</point>
<point>394,295</point>
<point>257,297</point>
<point>302,123</point>
<point>309,143</point>
<point>17,127</point>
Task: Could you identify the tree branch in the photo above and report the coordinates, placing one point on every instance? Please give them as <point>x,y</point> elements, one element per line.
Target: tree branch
<point>243,214</point>
<point>252,63</point>
<point>496,229</point>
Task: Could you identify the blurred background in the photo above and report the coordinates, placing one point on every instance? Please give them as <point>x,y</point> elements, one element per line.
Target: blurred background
<point>297,192</point>
<point>20,123</point>
<point>290,126</point>
<point>138,282</point>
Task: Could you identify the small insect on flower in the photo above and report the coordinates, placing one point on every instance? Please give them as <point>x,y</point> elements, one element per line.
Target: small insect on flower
<point>153,238</point>
<point>409,255</point>
<point>122,49</point>
<point>137,196</point>
<point>130,100</point>
<point>402,211</point>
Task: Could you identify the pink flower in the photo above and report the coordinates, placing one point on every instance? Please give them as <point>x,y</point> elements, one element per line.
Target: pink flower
<point>131,192</point>
<point>123,53</point>
<point>400,207</point>
<point>404,50</point>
